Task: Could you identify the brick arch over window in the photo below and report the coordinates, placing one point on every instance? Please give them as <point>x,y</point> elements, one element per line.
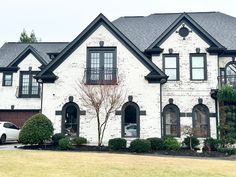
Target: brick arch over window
<point>130,124</point>
<point>70,119</point>
<point>201,120</point>
<point>171,120</point>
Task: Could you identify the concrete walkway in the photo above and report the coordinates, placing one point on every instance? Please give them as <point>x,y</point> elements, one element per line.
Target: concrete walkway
<point>9,146</point>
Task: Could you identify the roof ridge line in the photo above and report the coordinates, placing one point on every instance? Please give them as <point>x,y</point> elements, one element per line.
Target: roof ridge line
<point>36,43</point>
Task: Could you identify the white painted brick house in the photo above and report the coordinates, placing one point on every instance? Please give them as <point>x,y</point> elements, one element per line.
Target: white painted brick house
<point>171,65</point>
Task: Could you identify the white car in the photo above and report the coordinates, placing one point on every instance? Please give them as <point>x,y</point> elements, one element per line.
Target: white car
<point>8,132</point>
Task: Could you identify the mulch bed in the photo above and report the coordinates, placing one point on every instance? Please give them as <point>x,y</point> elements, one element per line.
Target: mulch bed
<point>85,148</point>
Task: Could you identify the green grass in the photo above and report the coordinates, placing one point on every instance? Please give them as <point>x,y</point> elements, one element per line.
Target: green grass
<point>68,164</point>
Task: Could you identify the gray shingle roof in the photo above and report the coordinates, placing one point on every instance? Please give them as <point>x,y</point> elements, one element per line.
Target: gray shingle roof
<point>9,51</point>
<point>143,31</point>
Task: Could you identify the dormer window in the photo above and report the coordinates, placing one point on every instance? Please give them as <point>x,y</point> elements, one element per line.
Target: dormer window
<point>7,79</point>
<point>101,66</point>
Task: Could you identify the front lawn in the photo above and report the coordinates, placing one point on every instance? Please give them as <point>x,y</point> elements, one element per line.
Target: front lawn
<point>67,164</point>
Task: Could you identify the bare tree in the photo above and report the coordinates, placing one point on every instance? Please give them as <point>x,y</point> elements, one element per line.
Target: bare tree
<point>103,100</point>
<point>189,132</point>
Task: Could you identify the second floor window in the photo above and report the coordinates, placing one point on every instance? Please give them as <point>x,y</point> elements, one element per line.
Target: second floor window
<point>171,66</point>
<point>7,79</point>
<point>29,88</point>
<point>198,68</point>
<point>101,66</point>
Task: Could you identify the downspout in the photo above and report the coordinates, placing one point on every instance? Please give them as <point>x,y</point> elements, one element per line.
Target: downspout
<point>161,108</point>
<point>216,100</point>
<point>161,118</point>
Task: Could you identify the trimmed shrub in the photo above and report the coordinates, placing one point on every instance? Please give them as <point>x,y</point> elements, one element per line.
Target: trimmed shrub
<point>156,143</point>
<point>56,137</point>
<point>140,146</point>
<point>36,130</point>
<point>227,151</point>
<point>194,141</point>
<point>170,143</point>
<point>211,144</point>
<point>117,144</point>
<point>65,144</point>
<point>79,140</point>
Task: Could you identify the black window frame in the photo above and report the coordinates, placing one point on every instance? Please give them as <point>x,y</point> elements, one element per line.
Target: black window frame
<point>177,65</point>
<point>101,51</point>
<point>4,79</point>
<point>204,68</point>
<point>29,95</point>
<point>177,110</point>
<point>135,105</point>
<point>208,119</point>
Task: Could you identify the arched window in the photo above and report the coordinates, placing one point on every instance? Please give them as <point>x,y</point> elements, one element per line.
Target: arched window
<point>201,121</point>
<point>171,120</point>
<point>70,119</point>
<point>130,120</point>
<point>230,74</point>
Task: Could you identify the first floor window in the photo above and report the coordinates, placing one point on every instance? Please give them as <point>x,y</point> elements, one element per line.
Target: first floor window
<point>171,66</point>
<point>7,79</point>
<point>171,121</point>
<point>201,121</point>
<point>198,68</point>
<point>130,120</point>
<point>28,85</point>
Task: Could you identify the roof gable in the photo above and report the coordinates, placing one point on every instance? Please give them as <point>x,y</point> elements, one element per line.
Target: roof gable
<point>185,18</point>
<point>97,22</point>
<point>25,53</point>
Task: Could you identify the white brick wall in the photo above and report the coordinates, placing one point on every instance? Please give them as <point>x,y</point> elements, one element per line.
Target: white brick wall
<point>130,69</point>
<point>185,92</point>
<point>8,94</point>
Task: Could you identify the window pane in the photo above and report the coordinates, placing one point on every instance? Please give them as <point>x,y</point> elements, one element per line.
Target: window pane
<point>170,62</point>
<point>171,121</point>
<point>171,73</point>
<point>95,60</point>
<point>231,75</point>
<point>197,61</point>
<point>130,121</point>
<point>25,84</point>
<point>35,86</point>
<point>200,121</point>
<point>198,74</point>
<point>108,66</point>
<point>7,79</point>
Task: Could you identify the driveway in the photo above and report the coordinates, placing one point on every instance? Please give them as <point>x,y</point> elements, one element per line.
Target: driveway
<point>9,146</point>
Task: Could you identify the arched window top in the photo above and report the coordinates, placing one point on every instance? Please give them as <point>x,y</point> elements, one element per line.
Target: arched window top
<point>230,73</point>
<point>130,103</point>
<point>201,107</point>
<point>172,107</point>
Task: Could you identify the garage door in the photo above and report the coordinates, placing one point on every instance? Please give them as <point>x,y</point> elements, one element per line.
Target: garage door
<point>17,117</point>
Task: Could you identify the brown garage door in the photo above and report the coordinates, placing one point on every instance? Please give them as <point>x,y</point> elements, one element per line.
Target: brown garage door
<point>17,117</point>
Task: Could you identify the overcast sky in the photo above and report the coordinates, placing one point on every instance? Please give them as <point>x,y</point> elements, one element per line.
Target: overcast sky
<point>63,20</point>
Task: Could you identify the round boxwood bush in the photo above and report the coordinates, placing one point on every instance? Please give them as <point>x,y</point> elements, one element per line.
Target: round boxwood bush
<point>65,144</point>
<point>170,143</point>
<point>79,140</point>
<point>36,130</point>
<point>194,141</point>
<point>117,144</point>
<point>211,144</point>
<point>140,146</point>
<point>56,137</point>
<point>156,143</point>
